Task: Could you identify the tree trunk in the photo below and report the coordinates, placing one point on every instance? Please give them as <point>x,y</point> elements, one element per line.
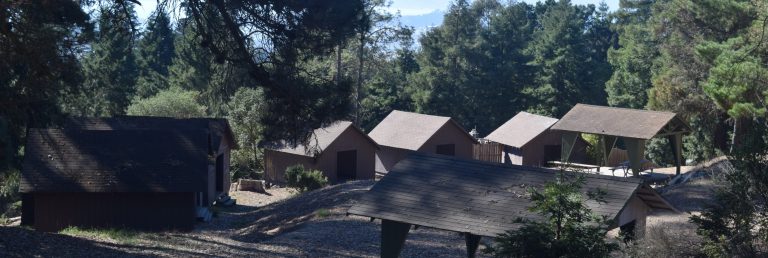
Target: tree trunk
<point>337,78</point>
<point>359,86</point>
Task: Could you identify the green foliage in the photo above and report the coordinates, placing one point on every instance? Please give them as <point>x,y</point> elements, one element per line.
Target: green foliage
<point>173,102</point>
<point>40,42</point>
<point>736,224</point>
<point>154,54</point>
<point>110,68</point>
<point>568,227</point>
<point>245,112</point>
<point>305,180</point>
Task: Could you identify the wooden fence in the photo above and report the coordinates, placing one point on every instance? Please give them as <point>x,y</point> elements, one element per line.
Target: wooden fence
<point>490,151</point>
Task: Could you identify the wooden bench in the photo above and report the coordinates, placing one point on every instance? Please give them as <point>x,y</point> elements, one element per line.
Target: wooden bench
<point>573,165</point>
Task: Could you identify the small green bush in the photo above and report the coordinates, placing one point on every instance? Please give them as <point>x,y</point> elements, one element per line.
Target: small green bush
<point>305,180</point>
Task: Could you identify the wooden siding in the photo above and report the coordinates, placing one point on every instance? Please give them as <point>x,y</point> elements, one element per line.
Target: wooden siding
<point>475,197</point>
<point>491,151</point>
<point>140,211</point>
<point>276,162</point>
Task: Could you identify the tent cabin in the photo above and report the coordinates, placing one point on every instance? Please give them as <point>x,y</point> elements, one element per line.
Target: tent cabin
<point>135,179</point>
<point>401,133</point>
<point>341,151</point>
<point>527,140</point>
<point>479,198</point>
<point>221,140</point>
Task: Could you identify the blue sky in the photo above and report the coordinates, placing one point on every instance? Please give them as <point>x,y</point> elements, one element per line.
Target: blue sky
<point>406,7</point>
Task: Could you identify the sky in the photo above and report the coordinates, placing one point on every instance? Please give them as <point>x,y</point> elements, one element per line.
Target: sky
<point>406,7</point>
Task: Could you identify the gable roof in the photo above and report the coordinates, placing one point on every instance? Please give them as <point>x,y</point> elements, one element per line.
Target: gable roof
<point>622,122</point>
<point>58,160</point>
<point>218,126</point>
<point>410,131</point>
<point>476,197</point>
<point>521,129</point>
<point>322,138</point>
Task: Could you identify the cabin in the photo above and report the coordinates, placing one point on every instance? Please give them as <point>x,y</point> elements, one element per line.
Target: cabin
<point>484,199</point>
<point>527,140</point>
<point>221,142</point>
<point>144,180</point>
<point>401,133</point>
<point>341,151</point>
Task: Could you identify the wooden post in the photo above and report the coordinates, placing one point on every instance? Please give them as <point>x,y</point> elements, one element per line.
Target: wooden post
<point>636,152</point>
<point>569,140</point>
<point>393,236</point>
<point>473,241</point>
<point>676,142</point>
<point>607,142</point>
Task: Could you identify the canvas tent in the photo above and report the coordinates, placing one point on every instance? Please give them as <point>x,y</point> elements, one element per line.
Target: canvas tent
<point>401,133</point>
<point>341,151</point>
<point>480,198</point>
<point>634,126</point>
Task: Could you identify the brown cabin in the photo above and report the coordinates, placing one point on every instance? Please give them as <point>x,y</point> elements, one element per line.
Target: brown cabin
<point>401,133</point>
<point>341,151</point>
<point>145,173</point>
<point>528,140</point>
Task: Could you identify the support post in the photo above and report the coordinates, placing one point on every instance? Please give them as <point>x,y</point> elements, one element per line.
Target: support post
<point>569,140</point>
<point>636,152</point>
<point>473,241</point>
<point>607,142</point>
<point>676,142</point>
<point>393,236</point>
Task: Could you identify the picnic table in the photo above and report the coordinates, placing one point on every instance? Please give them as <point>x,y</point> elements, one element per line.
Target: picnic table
<point>574,165</point>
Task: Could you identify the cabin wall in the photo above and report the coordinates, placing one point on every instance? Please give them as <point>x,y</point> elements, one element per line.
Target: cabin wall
<point>387,158</point>
<point>225,150</point>
<point>139,211</point>
<point>276,162</point>
<point>450,134</point>
<point>635,210</point>
<point>350,139</point>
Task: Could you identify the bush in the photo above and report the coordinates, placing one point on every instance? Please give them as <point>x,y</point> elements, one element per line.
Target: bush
<point>173,102</point>
<point>305,180</point>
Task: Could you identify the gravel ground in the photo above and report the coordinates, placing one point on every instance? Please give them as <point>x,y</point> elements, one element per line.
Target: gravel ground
<point>280,223</point>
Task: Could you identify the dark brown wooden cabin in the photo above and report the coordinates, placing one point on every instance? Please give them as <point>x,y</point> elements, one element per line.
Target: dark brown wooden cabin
<point>221,141</point>
<point>138,179</point>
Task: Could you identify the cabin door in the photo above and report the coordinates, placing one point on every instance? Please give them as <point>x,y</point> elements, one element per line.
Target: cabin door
<point>346,165</point>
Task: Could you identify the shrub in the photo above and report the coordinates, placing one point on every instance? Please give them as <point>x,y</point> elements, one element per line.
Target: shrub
<point>173,102</point>
<point>303,179</point>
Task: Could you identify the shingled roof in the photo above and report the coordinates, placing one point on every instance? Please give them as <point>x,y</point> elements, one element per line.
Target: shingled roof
<point>410,131</point>
<point>218,126</point>
<point>521,129</point>
<point>477,197</point>
<point>115,161</point>
<point>321,139</point>
<point>622,122</point>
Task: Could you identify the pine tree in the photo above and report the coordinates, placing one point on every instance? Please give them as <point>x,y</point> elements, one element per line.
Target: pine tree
<point>154,54</point>
<point>110,68</point>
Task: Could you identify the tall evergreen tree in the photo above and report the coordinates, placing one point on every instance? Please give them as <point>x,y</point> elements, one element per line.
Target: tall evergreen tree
<point>154,54</point>
<point>110,68</point>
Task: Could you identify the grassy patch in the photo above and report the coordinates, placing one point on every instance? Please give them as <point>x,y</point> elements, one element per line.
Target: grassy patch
<point>322,213</point>
<point>118,235</point>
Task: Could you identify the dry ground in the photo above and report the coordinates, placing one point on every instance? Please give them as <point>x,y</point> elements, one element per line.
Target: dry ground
<point>278,224</point>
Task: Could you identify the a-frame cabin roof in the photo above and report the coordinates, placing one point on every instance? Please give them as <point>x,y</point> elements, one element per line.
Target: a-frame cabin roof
<point>521,129</point>
<point>622,122</point>
<point>410,131</point>
<point>218,126</point>
<point>477,197</point>
<point>320,140</point>
<point>58,160</point>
